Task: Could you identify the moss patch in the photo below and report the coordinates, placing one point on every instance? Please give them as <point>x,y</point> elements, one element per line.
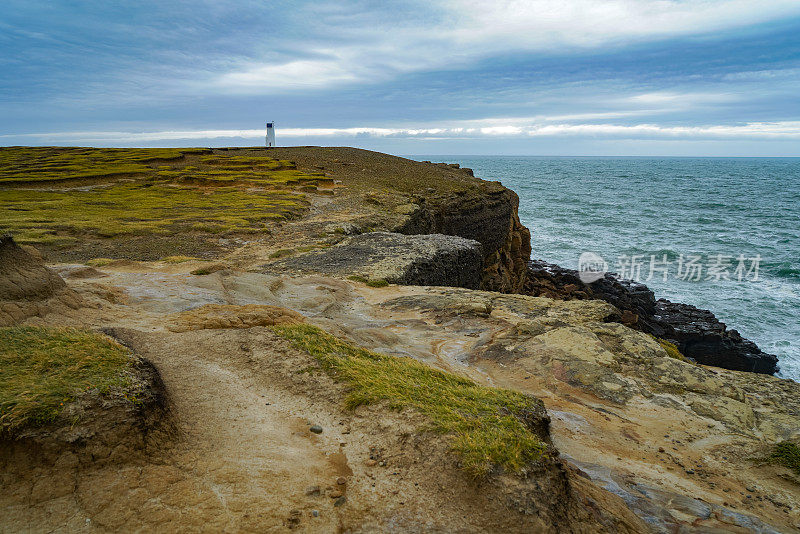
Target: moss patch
<point>671,349</point>
<point>43,369</point>
<point>486,423</point>
<point>786,454</point>
<point>282,253</point>
<point>380,282</point>
<point>177,259</point>
<point>99,262</point>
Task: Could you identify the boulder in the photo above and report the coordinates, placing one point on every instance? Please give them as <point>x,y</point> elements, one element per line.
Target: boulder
<point>428,260</point>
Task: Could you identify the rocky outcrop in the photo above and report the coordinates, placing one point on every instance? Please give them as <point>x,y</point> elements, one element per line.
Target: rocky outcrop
<point>697,333</point>
<point>429,260</point>
<point>27,287</point>
<point>705,339</point>
<point>490,218</point>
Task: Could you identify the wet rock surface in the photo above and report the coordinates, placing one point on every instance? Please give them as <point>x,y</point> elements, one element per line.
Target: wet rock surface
<point>433,260</point>
<point>673,445</point>
<point>697,333</point>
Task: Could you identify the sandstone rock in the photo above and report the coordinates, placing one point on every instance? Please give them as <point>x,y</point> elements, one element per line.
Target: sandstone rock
<point>435,259</point>
<point>23,276</point>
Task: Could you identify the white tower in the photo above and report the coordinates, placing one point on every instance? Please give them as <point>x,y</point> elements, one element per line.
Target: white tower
<point>270,134</point>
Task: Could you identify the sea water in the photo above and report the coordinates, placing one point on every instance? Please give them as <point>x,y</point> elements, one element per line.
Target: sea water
<point>718,233</point>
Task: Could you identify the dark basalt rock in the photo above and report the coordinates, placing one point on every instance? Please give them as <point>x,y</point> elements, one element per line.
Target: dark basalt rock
<point>697,333</point>
<point>702,337</point>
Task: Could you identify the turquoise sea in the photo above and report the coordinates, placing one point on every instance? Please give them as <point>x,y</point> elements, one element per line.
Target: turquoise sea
<point>730,219</point>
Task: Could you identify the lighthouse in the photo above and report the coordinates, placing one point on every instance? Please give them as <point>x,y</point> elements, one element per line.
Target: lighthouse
<point>270,134</point>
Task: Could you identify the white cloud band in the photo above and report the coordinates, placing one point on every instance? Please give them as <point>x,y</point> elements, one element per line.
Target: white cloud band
<point>786,130</point>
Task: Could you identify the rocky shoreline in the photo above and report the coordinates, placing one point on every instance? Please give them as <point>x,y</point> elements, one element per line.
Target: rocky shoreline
<point>697,333</point>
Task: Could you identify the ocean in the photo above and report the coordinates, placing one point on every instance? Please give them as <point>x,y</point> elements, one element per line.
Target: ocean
<point>718,233</point>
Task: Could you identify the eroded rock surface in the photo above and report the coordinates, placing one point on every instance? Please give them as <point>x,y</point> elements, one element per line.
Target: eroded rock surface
<point>490,219</point>
<point>243,398</point>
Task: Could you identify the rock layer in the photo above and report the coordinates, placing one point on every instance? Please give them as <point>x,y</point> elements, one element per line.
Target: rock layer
<point>490,219</point>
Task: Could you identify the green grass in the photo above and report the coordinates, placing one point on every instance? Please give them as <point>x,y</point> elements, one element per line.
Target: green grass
<point>43,369</point>
<point>485,423</point>
<point>177,259</point>
<point>144,191</point>
<point>35,164</point>
<point>786,454</point>
<point>36,216</point>
<point>282,253</point>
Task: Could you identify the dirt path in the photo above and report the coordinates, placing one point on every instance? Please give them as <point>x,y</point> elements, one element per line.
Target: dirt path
<point>243,460</point>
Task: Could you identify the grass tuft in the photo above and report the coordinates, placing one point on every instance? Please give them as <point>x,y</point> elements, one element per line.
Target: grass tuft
<point>486,423</point>
<point>177,259</point>
<point>282,253</point>
<point>43,369</point>
<point>99,262</point>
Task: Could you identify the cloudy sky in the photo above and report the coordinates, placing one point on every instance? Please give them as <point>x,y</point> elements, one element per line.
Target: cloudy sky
<point>540,77</point>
